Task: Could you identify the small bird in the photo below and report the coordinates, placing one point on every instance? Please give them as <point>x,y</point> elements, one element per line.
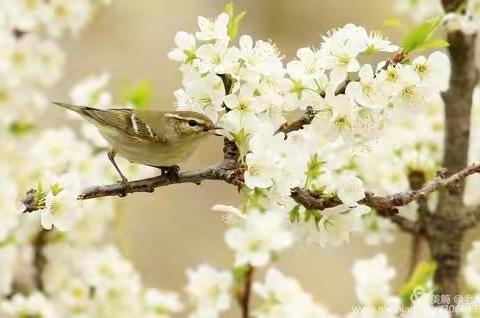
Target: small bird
<point>154,138</point>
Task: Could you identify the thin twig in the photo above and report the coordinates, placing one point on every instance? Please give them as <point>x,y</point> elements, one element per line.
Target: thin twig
<point>244,293</point>
<point>307,118</point>
<point>39,260</point>
<point>385,205</point>
<point>298,124</point>
<point>417,180</point>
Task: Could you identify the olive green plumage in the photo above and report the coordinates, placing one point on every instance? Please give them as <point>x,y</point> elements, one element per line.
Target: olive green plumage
<point>148,137</point>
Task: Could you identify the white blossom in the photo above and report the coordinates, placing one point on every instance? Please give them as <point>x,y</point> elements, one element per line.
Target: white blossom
<point>377,42</point>
<point>243,107</point>
<point>373,278</point>
<point>61,204</point>
<point>261,235</point>
<point>202,94</point>
<point>186,46</point>
<point>216,57</point>
<point>419,10</point>
<point>284,297</point>
<point>33,305</point>
<point>337,224</point>
<point>91,91</point>
<point>8,208</point>
<point>61,16</point>
<point>213,30</point>
<point>350,190</point>
<point>434,72</point>
<point>209,290</point>
<point>307,67</point>
<point>367,92</point>
<point>160,304</point>
<point>423,307</point>
<point>339,51</point>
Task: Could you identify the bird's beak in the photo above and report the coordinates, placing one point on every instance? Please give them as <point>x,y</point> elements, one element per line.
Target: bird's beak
<point>216,130</point>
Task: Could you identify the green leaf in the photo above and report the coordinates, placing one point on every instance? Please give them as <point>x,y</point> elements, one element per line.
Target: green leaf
<point>297,88</point>
<point>234,22</point>
<point>40,195</point>
<point>241,140</point>
<point>20,128</point>
<point>7,241</point>
<point>139,95</point>
<point>432,44</point>
<point>56,188</point>
<point>416,39</point>
<point>253,199</point>
<point>420,280</point>
<point>314,169</point>
<point>295,214</point>
<point>395,23</point>
<point>229,9</point>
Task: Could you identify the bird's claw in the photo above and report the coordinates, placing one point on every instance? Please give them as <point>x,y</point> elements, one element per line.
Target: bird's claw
<point>171,173</point>
<point>126,188</point>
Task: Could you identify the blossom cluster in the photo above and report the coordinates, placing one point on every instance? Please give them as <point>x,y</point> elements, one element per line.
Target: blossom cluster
<point>84,276</point>
<point>70,270</point>
<point>358,108</point>
<point>373,279</point>
<point>284,297</point>
<point>250,91</point>
<point>91,282</point>
<point>31,58</point>
<point>209,290</point>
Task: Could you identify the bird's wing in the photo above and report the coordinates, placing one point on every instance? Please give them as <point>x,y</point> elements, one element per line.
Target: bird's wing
<point>126,120</point>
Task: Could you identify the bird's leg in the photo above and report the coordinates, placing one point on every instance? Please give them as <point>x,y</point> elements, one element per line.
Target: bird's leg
<point>126,186</point>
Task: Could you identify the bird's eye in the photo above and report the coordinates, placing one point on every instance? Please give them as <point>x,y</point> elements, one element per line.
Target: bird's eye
<point>192,123</point>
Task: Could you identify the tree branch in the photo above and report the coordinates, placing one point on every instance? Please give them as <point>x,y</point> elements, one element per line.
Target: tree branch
<point>39,260</point>
<point>227,171</point>
<point>244,292</point>
<point>445,230</point>
<point>452,5</point>
<point>386,205</point>
<point>419,252</point>
<point>417,180</point>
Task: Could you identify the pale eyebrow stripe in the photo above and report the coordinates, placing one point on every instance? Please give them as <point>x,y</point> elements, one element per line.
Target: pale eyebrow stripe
<point>134,123</point>
<point>168,115</point>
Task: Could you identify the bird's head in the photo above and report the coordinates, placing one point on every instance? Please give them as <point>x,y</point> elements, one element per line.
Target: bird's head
<point>187,124</point>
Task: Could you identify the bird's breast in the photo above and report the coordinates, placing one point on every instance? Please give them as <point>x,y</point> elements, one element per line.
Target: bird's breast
<point>148,153</point>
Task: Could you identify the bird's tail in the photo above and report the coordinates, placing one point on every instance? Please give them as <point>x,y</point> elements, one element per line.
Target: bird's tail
<point>75,108</point>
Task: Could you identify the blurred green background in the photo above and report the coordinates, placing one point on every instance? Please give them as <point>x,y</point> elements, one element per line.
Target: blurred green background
<point>166,232</point>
